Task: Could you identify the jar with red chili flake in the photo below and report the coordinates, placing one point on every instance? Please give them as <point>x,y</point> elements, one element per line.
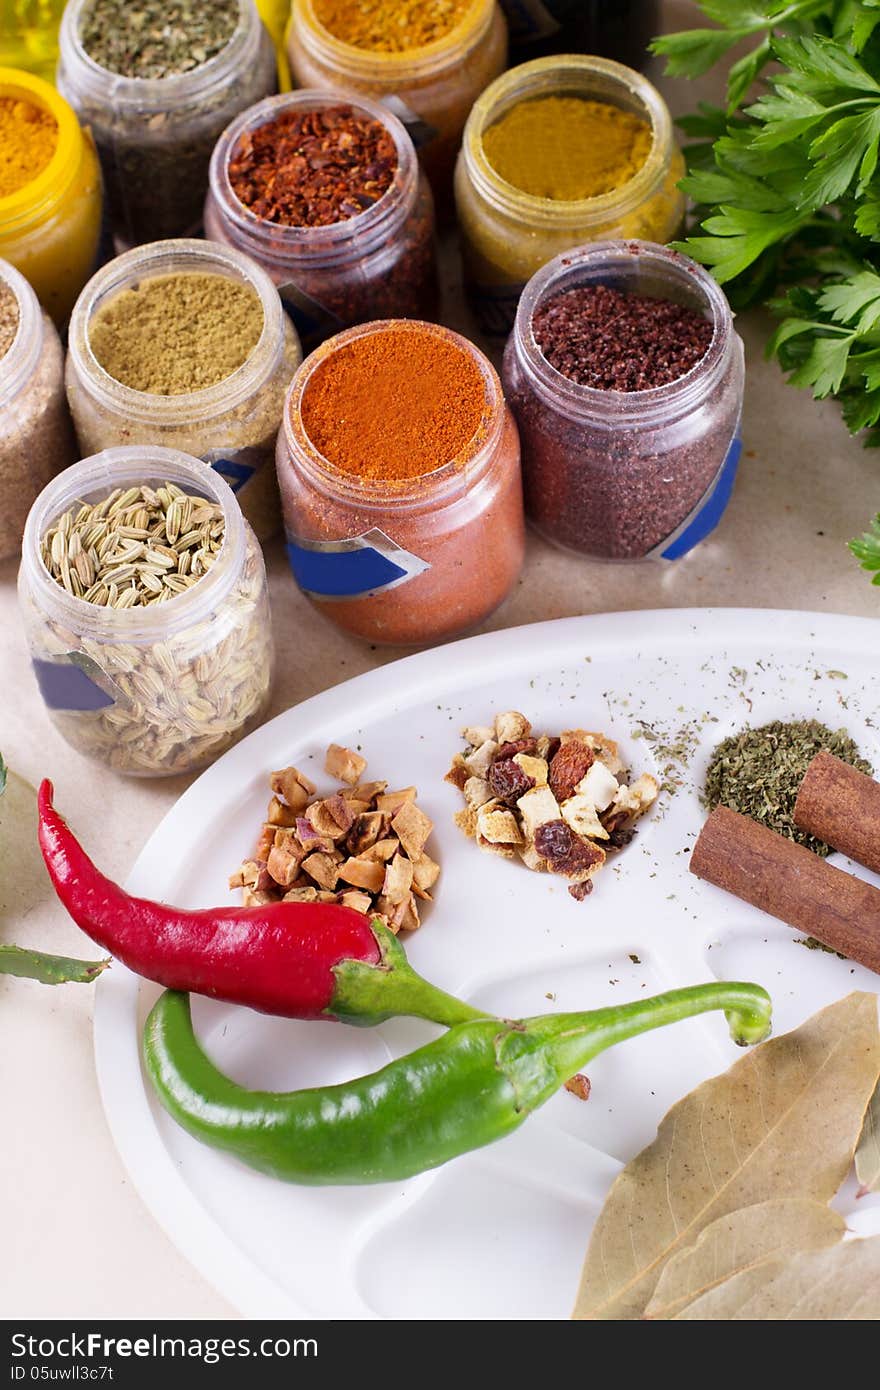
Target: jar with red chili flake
<point>327,195</point>
<point>398,463</point>
<point>625,374</point>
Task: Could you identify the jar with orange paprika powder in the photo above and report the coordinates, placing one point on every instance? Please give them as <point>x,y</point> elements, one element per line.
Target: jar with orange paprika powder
<point>398,463</point>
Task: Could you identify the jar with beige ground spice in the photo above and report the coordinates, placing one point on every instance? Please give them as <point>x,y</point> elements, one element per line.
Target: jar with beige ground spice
<point>185,344</point>
<point>144,600</point>
<point>36,438</point>
<point>398,462</point>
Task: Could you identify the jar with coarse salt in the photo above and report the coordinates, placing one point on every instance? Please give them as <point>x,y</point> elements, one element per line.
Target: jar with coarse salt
<point>157,689</point>
<point>232,424</point>
<point>508,234</point>
<point>405,560</point>
<point>431,88</point>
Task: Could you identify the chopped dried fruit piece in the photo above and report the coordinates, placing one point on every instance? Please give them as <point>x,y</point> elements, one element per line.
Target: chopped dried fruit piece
<point>536,807</point>
<point>344,764</point>
<point>600,785</point>
<point>284,866</point>
<point>391,802</point>
<point>360,902</point>
<point>519,745</point>
<point>322,868</point>
<point>426,872</point>
<point>365,831</point>
<point>534,767</point>
<point>362,873</point>
<point>279,814</point>
<point>638,797</point>
<point>507,780</point>
<point>569,766</point>
<point>511,726</point>
<point>458,774</point>
<point>482,758</point>
<point>324,821</point>
<point>253,897</point>
<point>398,879</point>
<point>498,826</point>
<point>506,851</point>
<point>477,792</point>
<point>301,895</point>
<point>309,837</point>
<point>293,786</point>
<point>364,791</point>
<point>566,852</point>
<point>579,891</point>
<point>605,748</point>
<point>382,850</point>
<point>478,734</point>
<point>580,813</point>
<point>412,827</point>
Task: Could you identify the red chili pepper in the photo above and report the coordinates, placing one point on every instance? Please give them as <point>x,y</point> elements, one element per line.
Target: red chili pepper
<point>298,960</point>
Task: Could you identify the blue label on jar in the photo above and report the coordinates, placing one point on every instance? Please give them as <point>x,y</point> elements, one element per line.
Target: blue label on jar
<point>65,684</point>
<point>367,564</point>
<point>313,321</point>
<point>236,466</point>
<point>709,511</point>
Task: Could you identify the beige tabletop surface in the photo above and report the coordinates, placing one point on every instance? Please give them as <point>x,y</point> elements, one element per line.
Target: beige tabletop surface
<point>77,1241</point>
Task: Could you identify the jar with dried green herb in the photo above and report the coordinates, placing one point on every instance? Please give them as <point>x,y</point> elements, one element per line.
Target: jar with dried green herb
<point>157,81</point>
<point>144,598</point>
<point>185,343</point>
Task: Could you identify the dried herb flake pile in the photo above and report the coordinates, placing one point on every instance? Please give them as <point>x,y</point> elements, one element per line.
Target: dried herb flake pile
<point>313,168</point>
<point>758,772</point>
<point>156,38</point>
<point>390,26</point>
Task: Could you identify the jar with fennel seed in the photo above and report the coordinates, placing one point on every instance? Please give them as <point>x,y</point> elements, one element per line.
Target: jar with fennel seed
<point>555,153</point>
<point>615,471</point>
<point>426,62</point>
<point>230,423</point>
<point>145,605</point>
<point>338,211</point>
<point>156,105</point>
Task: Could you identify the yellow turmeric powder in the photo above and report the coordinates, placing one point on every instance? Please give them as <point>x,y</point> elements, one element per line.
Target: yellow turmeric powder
<point>567,148</point>
<point>28,137</point>
<point>390,26</point>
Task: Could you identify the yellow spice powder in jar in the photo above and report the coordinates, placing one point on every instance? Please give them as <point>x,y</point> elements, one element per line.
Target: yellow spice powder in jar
<point>390,26</point>
<point>567,148</point>
<point>173,334</point>
<point>28,140</point>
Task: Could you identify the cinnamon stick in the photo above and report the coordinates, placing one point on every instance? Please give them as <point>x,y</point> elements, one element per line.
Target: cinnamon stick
<point>841,806</point>
<point>791,883</point>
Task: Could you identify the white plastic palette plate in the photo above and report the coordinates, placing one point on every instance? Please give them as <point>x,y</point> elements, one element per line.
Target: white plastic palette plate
<point>499,1233</point>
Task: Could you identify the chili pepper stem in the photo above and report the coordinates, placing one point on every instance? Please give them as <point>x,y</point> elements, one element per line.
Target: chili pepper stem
<point>367,994</point>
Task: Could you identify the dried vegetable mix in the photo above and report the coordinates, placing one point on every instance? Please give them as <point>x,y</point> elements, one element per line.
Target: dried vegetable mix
<point>172,334</point>
<point>313,167</point>
<point>156,38</point>
<point>567,148</point>
<point>390,26</point>
<point>28,139</point>
<point>758,772</point>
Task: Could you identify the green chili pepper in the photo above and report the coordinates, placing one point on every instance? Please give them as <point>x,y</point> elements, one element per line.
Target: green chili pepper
<point>471,1086</point>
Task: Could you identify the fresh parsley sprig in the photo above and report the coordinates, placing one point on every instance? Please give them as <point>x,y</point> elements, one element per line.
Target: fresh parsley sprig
<point>867,549</point>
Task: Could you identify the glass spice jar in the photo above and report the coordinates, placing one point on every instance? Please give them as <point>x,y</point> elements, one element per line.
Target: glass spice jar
<point>156,690</point>
<point>627,475</point>
<point>155,135</point>
<point>232,425</point>
<point>410,561</point>
<point>431,88</point>
<point>50,228</point>
<point>378,264</point>
<point>507,234</point>
<point>36,438</point>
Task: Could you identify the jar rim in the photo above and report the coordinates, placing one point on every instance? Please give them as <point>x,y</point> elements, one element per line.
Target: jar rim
<point>168,257</point>
<point>592,262</point>
<point>466,465</point>
<point>296,241</point>
<point>133,464</point>
<point>23,353</point>
<point>556,75</point>
<point>157,91</point>
<point>394,68</point>
<point>32,201</point>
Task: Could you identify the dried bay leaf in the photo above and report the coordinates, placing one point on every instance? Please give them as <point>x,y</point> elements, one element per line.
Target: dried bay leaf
<point>737,1242</point>
<point>782,1122</point>
<point>868,1152</point>
<point>837,1285</point>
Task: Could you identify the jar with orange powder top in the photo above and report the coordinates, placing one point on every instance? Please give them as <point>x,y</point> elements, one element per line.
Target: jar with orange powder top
<point>398,463</point>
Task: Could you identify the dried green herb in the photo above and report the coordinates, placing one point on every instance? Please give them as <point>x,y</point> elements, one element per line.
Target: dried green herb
<point>758,772</point>
<point>156,38</point>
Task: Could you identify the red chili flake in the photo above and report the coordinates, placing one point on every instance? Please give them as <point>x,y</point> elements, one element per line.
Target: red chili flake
<point>313,168</point>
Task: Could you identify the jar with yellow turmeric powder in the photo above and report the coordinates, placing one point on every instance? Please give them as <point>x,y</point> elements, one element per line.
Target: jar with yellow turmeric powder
<point>50,191</point>
<point>559,152</point>
<point>428,60</point>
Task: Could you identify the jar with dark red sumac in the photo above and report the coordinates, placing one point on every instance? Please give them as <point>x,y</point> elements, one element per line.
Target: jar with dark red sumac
<point>398,463</point>
<point>327,194</point>
<point>611,471</point>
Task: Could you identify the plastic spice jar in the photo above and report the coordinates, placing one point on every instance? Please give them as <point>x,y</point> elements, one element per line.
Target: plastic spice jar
<point>431,86</point>
<point>156,689</point>
<point>155,134</point>
<point>334,264</point>
<point>231,424</point>
<point>36,438</point>
<point>627,474</point>
<point>508,234</point>
<point>408,527</point>
<point>50,225</point>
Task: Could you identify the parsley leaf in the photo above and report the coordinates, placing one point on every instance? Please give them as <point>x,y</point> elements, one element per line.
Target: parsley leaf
<point>867,549</point>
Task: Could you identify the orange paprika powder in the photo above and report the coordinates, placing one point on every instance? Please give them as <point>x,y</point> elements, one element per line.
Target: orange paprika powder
<point>398,462</point>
